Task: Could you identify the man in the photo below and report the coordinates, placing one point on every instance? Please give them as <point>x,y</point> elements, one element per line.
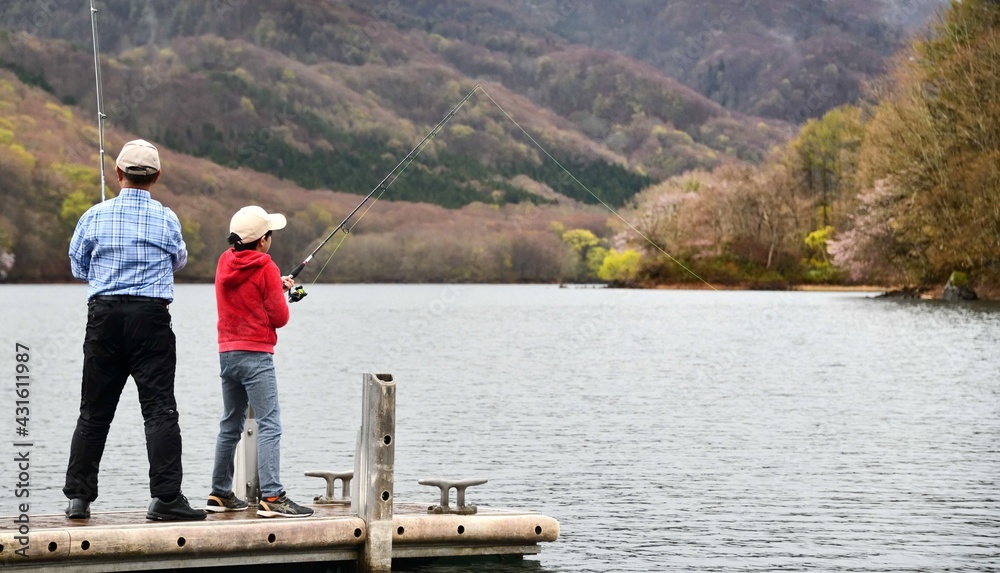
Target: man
<point>249,294</point>
<point>128,249</point>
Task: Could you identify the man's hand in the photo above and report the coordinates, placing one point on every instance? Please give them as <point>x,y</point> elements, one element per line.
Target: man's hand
<point>287,283</point>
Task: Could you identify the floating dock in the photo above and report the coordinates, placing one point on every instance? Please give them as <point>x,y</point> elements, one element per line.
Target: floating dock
<point>366,527</point>
<point>127,541</point>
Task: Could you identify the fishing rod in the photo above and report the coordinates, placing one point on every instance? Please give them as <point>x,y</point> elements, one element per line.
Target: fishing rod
<point>298,293</point>
<point>100,93</point>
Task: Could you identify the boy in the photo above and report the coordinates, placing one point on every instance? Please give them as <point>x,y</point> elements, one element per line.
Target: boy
<point>249,293</point>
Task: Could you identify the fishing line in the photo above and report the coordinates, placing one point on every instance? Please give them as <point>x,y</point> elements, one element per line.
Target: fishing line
<point>100,93</point>
<point>299,292</point>
<point>594,195</point>
<point>347,232</point>
<point>397,171</point>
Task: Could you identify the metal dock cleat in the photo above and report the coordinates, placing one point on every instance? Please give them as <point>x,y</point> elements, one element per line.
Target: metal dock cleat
<point>331,479</point>
<point>445,486</point>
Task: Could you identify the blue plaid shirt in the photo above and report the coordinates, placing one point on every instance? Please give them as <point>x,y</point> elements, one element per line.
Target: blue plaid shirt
<point>128,245</point>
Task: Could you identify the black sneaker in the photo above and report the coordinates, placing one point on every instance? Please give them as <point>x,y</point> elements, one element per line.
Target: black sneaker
<point>218,502</point>
<point>281,507</point>
<point>78,509</point>
<point>178,509</point>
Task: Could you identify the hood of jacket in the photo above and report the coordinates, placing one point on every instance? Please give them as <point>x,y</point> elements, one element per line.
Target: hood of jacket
<point>235,267</point>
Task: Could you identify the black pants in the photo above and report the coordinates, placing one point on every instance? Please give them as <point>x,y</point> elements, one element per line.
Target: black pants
<point>127,338</point>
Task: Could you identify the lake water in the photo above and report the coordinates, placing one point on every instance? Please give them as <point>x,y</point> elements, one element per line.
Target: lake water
<point>665,430</point>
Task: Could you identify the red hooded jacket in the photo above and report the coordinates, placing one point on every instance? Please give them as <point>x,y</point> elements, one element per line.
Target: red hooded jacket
<point>250,301</point>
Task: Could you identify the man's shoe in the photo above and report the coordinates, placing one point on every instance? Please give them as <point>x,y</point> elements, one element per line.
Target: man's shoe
<point>281,507</point>
<point>78,509</point>
<point>218,502</point>
<point>178,509</point>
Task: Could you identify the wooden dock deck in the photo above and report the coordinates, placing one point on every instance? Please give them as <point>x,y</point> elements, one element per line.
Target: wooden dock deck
<point>127,541</point>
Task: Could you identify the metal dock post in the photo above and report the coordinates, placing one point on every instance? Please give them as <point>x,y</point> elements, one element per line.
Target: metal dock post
<point>373,470</point>
<point>246,482</point>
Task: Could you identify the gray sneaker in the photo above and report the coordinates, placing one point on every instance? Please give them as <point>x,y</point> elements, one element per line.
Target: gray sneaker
<point>282,507</point>
<point>218,502</point>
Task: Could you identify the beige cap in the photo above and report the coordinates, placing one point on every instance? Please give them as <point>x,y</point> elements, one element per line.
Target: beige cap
<point>138,157</point>
<point>251,223</point>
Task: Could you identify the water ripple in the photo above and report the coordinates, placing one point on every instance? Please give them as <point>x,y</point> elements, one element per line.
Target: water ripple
<point>665,430</point>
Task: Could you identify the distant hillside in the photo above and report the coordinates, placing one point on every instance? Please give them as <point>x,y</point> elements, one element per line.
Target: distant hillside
<point>771,58</point>
<point>312,91</point>
<point>49,176</point>
<point>322,95</point>
<point>787,60</point>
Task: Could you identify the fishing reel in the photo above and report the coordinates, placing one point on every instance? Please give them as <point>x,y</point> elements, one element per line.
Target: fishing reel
<point>296,294</point>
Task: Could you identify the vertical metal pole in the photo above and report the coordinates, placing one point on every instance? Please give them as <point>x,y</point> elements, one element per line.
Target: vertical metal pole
<point>100,94</point>
<point>373,471</point>
<point>246,482</point>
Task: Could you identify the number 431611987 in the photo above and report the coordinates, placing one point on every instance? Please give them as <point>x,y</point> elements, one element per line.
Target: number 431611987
<point>22,384</point>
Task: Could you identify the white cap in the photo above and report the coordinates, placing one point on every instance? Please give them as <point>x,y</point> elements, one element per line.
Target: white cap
<point>253,222</point>
<point>138,157</point>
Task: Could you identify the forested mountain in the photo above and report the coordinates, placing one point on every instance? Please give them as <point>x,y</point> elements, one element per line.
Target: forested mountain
<point>902,189</point>
<point>331,95</point>
<point>789,60</point>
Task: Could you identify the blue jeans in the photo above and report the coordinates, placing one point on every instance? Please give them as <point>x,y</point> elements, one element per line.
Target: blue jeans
<point>248,377</point>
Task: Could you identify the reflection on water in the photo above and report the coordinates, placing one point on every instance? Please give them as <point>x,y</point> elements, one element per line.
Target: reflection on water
<point>665,430</point>
<point>457,565</point>
<point>504,564</point>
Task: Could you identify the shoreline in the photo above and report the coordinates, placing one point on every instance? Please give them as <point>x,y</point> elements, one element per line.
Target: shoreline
<point>985,294</point>
<point>841,288</point>
<point>802,288</point>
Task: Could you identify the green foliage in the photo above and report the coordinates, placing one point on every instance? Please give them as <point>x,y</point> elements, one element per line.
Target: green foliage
<point>73,207</point>
<point>724,269</point>
<point>607,182</point>
<point>587,246</point>
<point>79,177</point>
<point>266,31</point>
<point>32,77</point>
<point>595,259</point>
<point>958,279</point>
<point>580,240</point>
<point>827,149</point>
<point>817,240</point>
<point>357,162</point>
<point>20,157</point>
<point>817,266</point>
<point>191,231</point>
<point>621,267</point>
<point>5,240</point>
